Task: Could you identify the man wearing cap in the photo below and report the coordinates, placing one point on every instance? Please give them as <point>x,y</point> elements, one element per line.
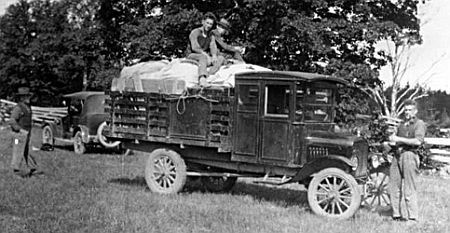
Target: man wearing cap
<point>203,48</point>
<point>223,28</point>
<point>21,125</point>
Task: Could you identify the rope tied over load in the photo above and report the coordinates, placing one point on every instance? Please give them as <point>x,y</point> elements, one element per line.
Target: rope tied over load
<point>185,95</point>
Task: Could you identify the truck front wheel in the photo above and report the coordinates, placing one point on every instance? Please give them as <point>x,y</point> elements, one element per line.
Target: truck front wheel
<point>78,145</point>
<point>165,171</point>
<point>334,193</point>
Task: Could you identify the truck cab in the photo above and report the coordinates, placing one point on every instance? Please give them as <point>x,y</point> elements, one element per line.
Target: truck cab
<point>287,118</point>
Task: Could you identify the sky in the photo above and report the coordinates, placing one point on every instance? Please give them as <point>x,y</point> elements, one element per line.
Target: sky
<point>434,49</point>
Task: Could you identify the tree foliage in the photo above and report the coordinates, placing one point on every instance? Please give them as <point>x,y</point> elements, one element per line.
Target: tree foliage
<point>55,45</point>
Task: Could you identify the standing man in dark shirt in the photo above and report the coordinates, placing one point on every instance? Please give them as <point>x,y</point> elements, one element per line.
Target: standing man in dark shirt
<point>234,52</point>
<point>203,48</point>
<point>21,125</point>
<point>405,164</point>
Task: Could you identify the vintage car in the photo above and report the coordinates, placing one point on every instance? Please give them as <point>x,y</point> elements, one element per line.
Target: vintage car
<point>83,123</point>
<point>271,124</point>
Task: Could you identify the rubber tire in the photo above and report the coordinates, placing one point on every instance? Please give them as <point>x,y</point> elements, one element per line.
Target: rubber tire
<point>224,186</point>
<point>51,140</point>
<point>81,148</point>
<point>355,201</point>
<point>102,138</point>
<point>178,165</point>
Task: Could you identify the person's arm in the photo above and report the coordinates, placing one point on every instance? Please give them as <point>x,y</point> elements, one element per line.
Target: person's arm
<point>213,49</point>
<point>213,46</point>
<point>16,113</point>
<point>225,46</point>
<point>195,46</point>
<point>419,136</point>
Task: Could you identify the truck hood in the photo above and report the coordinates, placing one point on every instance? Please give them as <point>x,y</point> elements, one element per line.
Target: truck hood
<point>317,137</point>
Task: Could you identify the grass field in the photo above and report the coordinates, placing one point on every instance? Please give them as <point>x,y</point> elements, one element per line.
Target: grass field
<point>106,192</point>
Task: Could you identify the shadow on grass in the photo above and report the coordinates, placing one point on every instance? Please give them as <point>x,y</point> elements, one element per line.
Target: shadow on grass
<point>135,182</point>
<point>385,211</point>
<point>91,149</point>
<point>281,196</point>
<point>278,195</point>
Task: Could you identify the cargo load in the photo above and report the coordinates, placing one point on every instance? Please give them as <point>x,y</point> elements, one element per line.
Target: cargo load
<point>174,77</point>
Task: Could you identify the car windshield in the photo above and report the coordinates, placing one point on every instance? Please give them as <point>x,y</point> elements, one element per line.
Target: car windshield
<point>314,104</point>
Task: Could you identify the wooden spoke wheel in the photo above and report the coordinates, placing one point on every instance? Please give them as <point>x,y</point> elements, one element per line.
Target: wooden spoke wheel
<point>218,183</point>
<point>165,171</point>
<point>377,195</point>
<point>334,193</point>
<point>78,145</point>
<point>47,136</point>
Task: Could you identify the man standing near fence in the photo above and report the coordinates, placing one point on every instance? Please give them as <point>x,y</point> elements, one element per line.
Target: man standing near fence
<point>21,124</point>
<point>405,164</point>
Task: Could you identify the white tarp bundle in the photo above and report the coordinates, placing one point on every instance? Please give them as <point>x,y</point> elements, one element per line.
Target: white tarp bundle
<point>174,77</point>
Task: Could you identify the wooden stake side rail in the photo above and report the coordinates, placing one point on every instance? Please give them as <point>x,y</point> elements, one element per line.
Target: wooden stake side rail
<point>164,118</point>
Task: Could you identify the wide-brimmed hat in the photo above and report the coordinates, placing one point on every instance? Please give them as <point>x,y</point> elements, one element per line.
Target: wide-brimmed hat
<point>24,91</point>
<point>223,23</point>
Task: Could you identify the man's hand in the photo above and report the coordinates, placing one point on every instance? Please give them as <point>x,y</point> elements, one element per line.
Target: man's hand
<point>214,59</point>
<point>240,49</point>
<point>393,138</point>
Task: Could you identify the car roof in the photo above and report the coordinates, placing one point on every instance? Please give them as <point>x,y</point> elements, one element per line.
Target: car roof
<point>83,94</point>
<point>289,75</point>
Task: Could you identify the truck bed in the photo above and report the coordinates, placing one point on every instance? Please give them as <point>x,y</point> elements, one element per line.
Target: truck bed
<point>198,117</point>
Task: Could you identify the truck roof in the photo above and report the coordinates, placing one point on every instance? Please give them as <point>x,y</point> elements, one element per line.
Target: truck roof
<point>83,94</point>
<point>289,75</point>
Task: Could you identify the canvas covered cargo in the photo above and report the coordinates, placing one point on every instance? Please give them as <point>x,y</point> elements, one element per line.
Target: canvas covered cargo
<point>174,77</point>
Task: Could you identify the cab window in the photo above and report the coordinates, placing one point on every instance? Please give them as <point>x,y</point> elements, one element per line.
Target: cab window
<point>313,104</point>
<point>277,100</point>
<point>248,98</point>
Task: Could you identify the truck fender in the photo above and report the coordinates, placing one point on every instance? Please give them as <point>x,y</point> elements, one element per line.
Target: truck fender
<point>102,139</point>
<point>318,164</point>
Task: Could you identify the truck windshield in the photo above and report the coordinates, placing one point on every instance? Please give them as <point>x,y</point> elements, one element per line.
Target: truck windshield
<point>314,104</point>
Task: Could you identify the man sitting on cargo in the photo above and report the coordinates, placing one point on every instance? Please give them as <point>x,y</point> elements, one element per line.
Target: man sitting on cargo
<point>226,50</point>
<point>203,48</point>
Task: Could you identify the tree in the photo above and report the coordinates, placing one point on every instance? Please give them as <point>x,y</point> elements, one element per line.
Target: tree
<point>398,49</point>
<point>53,46</point>
<point>325,36</point>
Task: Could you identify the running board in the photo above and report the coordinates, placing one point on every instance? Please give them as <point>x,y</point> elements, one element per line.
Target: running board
<point>218,174</point>
<point>273,181</point>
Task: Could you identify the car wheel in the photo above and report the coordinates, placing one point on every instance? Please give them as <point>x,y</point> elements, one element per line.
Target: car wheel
<point>377,194</point>
<point>218,183</point>
<point>78,145</point>
<point>47,136</point>
<point>334,193</point>
<point>165,171</point>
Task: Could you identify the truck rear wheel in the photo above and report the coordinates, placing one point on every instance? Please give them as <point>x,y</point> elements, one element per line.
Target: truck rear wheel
<point>334,193</point>
<point>218,183</point>
<point>165,171</point>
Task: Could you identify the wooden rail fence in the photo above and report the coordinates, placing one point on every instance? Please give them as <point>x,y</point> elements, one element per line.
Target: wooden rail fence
<point>40,114</point>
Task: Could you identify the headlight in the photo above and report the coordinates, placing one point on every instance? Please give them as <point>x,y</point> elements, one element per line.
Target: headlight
<point>354,161</point>
<point>376,160</point>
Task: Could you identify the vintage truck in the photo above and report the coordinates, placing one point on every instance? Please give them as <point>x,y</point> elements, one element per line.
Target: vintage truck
<point>270,124</point>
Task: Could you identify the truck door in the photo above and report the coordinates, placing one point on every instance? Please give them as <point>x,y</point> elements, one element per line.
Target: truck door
<point>275,121</point>
<point>246,128</point>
